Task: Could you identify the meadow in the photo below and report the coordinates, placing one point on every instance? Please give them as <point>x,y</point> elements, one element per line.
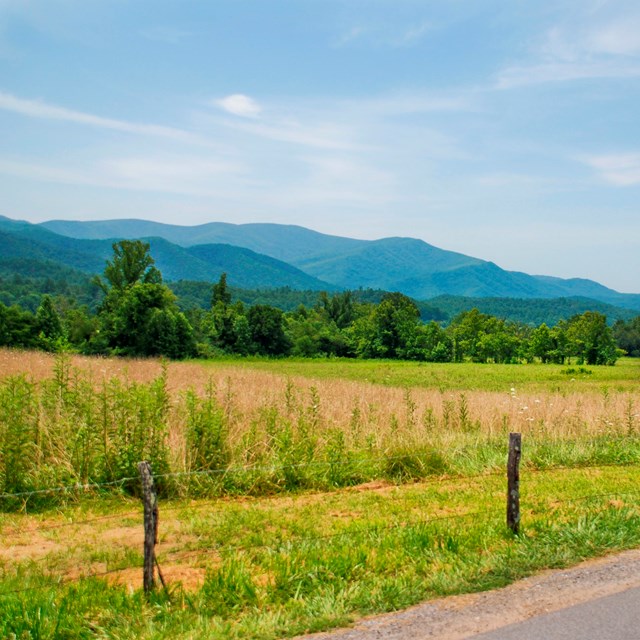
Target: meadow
<point>297,495</point>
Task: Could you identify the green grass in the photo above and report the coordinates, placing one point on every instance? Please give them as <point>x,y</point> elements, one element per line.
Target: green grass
<point>550,378</point>
<point>264,510</point>
<point>279,566</point>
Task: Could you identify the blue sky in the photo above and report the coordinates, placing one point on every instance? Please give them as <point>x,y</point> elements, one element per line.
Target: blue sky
<point>509,131</point>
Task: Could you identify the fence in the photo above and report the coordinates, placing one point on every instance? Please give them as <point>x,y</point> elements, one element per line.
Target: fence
<point>151,566</point>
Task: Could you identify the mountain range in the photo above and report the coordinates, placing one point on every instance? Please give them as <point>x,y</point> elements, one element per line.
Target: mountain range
<point>273,255</point>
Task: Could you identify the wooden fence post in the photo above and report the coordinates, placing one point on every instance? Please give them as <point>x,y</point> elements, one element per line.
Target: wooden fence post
<point>150,499</point>
<point>513,482</point>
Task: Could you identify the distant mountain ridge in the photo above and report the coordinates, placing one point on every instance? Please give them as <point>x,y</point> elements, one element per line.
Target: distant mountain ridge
<point>409,265</point>
<point>245,268</point>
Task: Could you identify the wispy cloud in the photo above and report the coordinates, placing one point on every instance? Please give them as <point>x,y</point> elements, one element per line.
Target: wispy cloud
<point>416,102</point>
<point>620,170</point>
<point>184,175</point>
<point>385,34</point>
<point>520,76</point>
<point>43,110</point>
<point>413,34</point>
<point>239,104</point>
<point>341,123</point>
<point>593,45</point>
<point>348,181</point>
<point>621,37</point>
<point>319,135</point>
<point>166,35</point>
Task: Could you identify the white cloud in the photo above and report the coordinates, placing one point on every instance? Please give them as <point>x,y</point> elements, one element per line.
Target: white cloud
<point>240,105</point>
<point>343,124</point>
<point>617,38</point>
<point>39,109</point>
<point>621,170</point>
<point>385,34</point>
<point>320,136</point>
<point>343,181</point>
<point>587,45</point>
<point>525,75</point>
<point>349,35</point>
<point>185,175</point>
<point>505,179</point>
<point>401,104</point>
<point>176,174</point>
<point>413,34</point>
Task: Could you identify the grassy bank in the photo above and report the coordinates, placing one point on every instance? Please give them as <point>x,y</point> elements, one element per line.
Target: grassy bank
<point>278,566</point>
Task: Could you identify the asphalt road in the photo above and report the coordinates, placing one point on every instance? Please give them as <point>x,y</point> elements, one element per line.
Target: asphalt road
<point>616,617</point>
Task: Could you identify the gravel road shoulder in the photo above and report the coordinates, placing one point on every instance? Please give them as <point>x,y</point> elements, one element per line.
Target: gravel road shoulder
<point>460,617</point>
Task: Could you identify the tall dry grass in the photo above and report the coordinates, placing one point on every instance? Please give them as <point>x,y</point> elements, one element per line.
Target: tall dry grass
<point>245,392</point>
<point>299,432</point>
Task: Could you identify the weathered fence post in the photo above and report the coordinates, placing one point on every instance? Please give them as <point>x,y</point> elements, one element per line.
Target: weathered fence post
<point>150,499</point>
<point>513,482</point>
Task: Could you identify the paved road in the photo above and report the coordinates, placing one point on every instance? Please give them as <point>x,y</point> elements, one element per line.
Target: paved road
<point>616,617</point>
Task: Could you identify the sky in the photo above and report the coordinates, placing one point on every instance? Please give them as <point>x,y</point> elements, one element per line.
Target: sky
<point>508,131</point>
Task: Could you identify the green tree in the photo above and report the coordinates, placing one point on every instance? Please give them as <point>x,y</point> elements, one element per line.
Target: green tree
<point>266,325</point>
<point>18,328</point>
<point>483,338</point>
<point>627,336</point>
<point>139,315</point>
<point>466,330</point>
<point>541,343</point>
<point>435,343</point>
<point>591,339</point>
<point>339,309</point>
<point>230,333</point>
<point>221,293</point>
<point>313,333</point>
<point>390,329</point>
<point>131,264</point>
<point>48,325</point>
<point>79,326</point>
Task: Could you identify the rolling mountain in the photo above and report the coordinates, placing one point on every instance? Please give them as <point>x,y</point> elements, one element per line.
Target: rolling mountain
<point>411,266</point>
<point>244,268</point>
<point>288,243</point>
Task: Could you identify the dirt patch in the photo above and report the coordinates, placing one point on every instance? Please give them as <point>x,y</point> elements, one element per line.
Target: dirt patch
<point>21,551</point>
<point>191,578</point>
<point>460,617</point>
<point>124,536</point>
<point>375,485</point>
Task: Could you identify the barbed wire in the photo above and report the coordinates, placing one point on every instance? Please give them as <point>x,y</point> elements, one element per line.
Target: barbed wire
<point>273,468</point>
<point>377,528</point>
<point>78,486</point>
<point>74,523</point>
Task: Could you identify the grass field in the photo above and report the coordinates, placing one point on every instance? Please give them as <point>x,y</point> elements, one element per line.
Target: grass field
<point>467,376</point>
<point>297,495</point>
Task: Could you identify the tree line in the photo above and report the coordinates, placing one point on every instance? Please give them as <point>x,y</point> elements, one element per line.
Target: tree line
<point>138,315</point>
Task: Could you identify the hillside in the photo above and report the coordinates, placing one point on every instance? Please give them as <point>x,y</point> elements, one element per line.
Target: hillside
<point>533,311</point>
<point>289,243</point>
<point>411,266</point>
<point>244,267</point>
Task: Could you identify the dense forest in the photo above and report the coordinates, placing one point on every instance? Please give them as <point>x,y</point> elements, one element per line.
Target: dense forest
<point>130,311</point>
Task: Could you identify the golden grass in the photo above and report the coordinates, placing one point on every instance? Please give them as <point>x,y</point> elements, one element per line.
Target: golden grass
<point>363,410</point>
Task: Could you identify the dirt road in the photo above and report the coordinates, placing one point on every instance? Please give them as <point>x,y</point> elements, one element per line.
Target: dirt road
<point>461,617</point>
